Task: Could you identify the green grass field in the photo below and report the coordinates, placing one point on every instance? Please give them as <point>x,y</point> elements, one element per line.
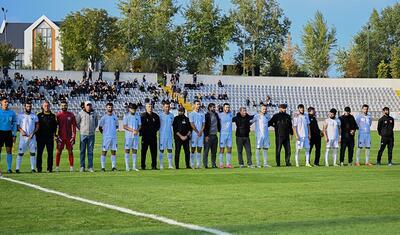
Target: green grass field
<point>285,200</point>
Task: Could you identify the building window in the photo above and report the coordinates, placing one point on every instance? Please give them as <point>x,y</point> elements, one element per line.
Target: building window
<point>46,35</point>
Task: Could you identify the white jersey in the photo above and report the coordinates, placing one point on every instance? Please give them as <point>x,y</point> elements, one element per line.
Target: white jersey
<point>132,121</point>
<point>27,122</point>
<point>301,123</point>
<point>332,128</point>
<point>197,118</point>
<point>109,123</point>
<point>261,124</point>
<point>226,123</point>
<point>166,121</point>
<point>364,123</point>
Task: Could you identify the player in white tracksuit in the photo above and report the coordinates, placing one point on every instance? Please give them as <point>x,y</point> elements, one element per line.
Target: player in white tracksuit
<point>132,124</point>
<point>225,139</point>
<point>364,122</point>
<point>301,130</point>
<point>332,135</point>
<point>28,124</point>
<point>260,121</point>
<point>166,120</point>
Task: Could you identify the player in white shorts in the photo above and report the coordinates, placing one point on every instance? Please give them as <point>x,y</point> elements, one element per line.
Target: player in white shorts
<point>364,122</point>
<point>28,124</point>
<point>225,138</point>
<point>108,126</point>
<point>262,136</point>
<point>301,130</point>
<point>331,132</point>
<point>197,122</point>
<point>166,120</point>
<point>132,124</point>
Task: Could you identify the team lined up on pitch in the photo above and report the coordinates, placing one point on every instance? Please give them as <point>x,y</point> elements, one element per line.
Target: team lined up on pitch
<point>199,130</point>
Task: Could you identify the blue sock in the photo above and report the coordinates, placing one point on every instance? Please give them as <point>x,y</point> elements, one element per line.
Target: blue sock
<point>9,161</point>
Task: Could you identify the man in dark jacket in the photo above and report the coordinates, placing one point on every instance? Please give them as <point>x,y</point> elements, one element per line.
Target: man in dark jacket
<point>282,122</point>
<point>211,129</point>
<point>385,131</point>
<point>316,135</point>
<point>45,136</point>
<point>150,126</point>
<point>182,131</point>
<point>348,126</point>
<point>243,123</point>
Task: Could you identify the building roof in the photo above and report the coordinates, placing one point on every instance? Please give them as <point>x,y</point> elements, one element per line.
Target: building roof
<point>15,34</point>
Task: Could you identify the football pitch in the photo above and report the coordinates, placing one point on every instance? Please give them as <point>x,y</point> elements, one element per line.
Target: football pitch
<point>285,200</point>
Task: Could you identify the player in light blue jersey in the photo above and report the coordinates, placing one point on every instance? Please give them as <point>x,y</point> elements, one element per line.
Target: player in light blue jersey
<point>364,122</point>
<point>108,126</point>
<point>197,121</point>
<point>132,124</point>
<point>8,131</point>
<point>225,138</point>
<point>262,136</point>
<point>166,120</point>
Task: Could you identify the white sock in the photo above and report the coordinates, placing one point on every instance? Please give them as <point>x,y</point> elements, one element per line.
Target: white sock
<point>221,159</point>
<point>113,161</point>
<point>307,156</point>
<point>334,155</point>
<point>103,161</point>
<point>161,160</point>
<point>19,160</point>
<point>228,158</point>
<point>169,160</point>
<point>133,161</point>
<point>265,155</point>
<point>296,157</point>
<point>33,162</point>
<point>327,157</point>
<point>358,155</point>
<point>127,161</point>
<point>198,159</point>
<point>367,152</point>
<point>192,160</point>
<point>258,157</point>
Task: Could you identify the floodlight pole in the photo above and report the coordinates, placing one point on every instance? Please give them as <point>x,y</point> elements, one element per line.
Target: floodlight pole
<point>5,22</point>
<point>369,27</point>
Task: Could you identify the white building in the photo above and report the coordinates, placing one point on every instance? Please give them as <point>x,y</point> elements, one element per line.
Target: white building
<point>22,36</point>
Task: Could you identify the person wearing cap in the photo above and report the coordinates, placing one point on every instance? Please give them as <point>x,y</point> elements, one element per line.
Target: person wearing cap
<point>348,129</point>
<point>385,131</point>
<point>87,121</point>
<point>182,132</point>
<point>45,136</point>
<point>282,122</point>
<point>332,132</point>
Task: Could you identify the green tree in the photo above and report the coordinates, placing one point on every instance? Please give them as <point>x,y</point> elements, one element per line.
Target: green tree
<point>260,29</point>
<point>40,54</point>
<point>395,62</point>
<point>206,33</point>
<point>7,54</point>
<point>151,35</point>
<point>118,58</point>
<point>288,59</point>
<point>347,63</point>
<point>383,70</point>
<point>86,35</point>
<point>318,41</point>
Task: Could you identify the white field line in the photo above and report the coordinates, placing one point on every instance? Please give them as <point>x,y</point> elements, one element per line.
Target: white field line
<point>120,209</point>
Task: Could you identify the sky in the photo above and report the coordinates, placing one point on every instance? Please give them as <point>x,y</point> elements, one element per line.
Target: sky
<point>347,16</point>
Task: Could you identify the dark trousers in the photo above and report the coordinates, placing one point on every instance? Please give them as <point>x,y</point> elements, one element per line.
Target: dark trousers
<point>178,144</point>
<point>347,143</point>
<point>316,141</point>
<point>152,143</point>
<point>240,143</point>
<point>285,142</point>
<point>49,144</point>
<point>389,141</point>
<point>211,144</point>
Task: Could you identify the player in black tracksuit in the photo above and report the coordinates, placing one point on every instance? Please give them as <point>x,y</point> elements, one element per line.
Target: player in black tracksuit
<point>316,135</point>
<point>385,130</point>
<point>150,126</point>
<point>182,131</point>
<point>348,126</point>
<point>282,122</point>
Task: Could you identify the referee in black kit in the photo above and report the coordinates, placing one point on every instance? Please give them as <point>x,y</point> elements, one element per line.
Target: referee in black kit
<point>182,131</point>
<point>150,126</point>
<point>385,131</point>
<point>282,122</point>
